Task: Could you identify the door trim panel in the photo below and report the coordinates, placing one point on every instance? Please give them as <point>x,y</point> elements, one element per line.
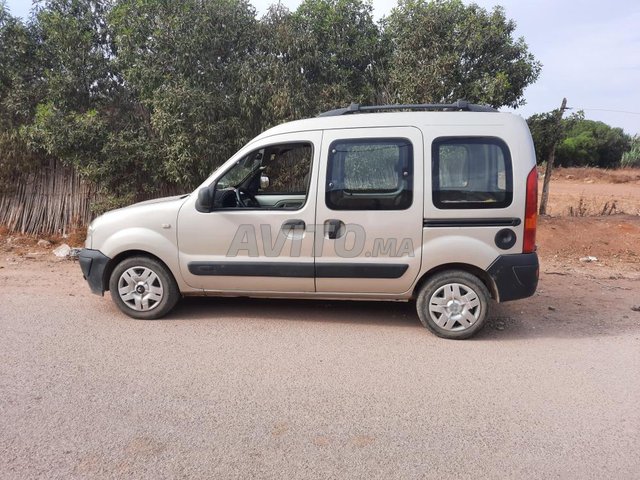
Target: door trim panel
<point>360,270</point>
<point>472,222</point>
<point>253,269</point>
<point>298,269</point>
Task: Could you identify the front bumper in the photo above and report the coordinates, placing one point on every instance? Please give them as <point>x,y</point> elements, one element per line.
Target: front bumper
<point>515,276</point>
<point>93,264</point>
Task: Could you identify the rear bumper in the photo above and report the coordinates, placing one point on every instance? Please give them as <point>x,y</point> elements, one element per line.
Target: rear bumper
<point>93,264</point>
<point>515,276</point>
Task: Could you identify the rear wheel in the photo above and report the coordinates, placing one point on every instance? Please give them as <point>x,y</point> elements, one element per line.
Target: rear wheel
<point>453,304</point>
<point>143,288</point>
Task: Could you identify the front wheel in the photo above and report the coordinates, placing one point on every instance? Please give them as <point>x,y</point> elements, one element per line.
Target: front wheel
<point>453,304</point>
<point>143,288</point>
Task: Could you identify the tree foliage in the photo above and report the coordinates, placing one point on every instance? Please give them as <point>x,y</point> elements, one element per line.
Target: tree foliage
<point>20,92</point>
<point>325,54</point>
<point>592,143</point>
<point>181,65</point>
<point>581,142</point>
<point>443,50</point>
<point>341,51</point>
<point>545,133</point>
<point>139,95</point>
<point>631,158</point>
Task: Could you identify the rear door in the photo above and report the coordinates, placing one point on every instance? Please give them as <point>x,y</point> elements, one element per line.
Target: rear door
<point>369,215</point>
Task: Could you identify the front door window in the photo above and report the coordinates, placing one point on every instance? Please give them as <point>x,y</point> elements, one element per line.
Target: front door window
<point>275,176</point>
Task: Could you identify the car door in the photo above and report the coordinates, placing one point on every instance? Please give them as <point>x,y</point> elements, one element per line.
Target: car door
<point>267,245</point>
<point>369,210</point>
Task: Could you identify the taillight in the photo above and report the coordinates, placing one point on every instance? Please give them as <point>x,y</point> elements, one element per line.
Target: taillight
<point>531,213</point>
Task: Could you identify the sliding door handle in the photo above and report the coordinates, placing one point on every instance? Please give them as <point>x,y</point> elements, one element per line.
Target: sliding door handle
<point>334,229</point>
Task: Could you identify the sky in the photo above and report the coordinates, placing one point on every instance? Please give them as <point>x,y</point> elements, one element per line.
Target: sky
<point>590,53</point>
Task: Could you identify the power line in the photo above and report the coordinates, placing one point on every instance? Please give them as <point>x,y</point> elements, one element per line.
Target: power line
<point>607,110</point>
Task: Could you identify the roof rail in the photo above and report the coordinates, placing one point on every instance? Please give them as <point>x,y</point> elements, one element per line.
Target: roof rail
<point>460,105</point>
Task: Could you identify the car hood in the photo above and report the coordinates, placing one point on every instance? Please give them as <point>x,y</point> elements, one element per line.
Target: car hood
<point>139,214</point>
<point>158,200</point>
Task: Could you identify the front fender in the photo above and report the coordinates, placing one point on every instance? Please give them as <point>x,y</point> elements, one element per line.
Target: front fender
<point>140,238</point>
<point>161,245</point>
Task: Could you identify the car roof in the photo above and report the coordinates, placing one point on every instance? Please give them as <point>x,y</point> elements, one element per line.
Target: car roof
<point>396,119</point>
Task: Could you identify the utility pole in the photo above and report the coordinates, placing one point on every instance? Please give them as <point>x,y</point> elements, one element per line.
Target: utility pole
<point>551,159</point>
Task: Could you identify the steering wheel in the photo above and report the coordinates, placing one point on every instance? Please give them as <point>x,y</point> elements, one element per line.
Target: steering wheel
<point>245,199</point>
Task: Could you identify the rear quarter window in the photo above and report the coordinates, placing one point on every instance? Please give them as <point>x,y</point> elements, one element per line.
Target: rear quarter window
<point>471,172</point>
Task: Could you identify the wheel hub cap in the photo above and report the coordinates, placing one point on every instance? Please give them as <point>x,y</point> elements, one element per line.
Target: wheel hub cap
<point>140,289</point>
<point>454,307</point>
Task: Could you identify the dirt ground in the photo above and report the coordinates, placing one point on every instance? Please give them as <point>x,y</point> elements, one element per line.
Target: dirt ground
<point>593,191</point>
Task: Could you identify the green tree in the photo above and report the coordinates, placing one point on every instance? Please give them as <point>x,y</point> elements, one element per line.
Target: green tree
<point>581,142</point>
<point>545,133</point>
<point>339,51</point>
<point>443,50</point>
<point>142,95</point>
<point>148,96</point>
<point>327,53</point>
<point>579,149</point>
<point>76,53</point>
<point>273,85</point>
<point>78,114</point>
<point>591,143</point>
<point>20,91</point>
<point>181,63</point>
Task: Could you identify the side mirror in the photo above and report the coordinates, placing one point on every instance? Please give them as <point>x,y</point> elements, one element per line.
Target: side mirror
<point>264,182</point>
<point>204,203</point>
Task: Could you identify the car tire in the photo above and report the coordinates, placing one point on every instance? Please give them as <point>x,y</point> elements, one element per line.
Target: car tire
<point>453,304</point>
<point>143,288</point>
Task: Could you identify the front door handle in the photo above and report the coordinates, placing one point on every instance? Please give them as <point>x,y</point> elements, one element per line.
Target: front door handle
<point>293,225</point>
<point>334,229</point>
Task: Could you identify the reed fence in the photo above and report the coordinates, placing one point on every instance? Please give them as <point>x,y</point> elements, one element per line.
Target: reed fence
<point>56,200</point>
<point>53,200</point>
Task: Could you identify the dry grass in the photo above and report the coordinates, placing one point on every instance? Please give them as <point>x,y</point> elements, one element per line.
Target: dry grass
<point>76,237</point>
<point>580,192</point>
<point>589,208</point>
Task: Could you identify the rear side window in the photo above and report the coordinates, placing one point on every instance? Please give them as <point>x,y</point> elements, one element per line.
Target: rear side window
<point>471,172</point>
<point>370,174</point>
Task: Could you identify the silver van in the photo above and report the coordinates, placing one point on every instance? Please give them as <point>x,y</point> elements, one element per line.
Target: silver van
<point>432,203</point>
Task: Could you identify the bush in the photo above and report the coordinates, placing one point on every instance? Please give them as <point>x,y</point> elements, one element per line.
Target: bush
<point>632,157</point>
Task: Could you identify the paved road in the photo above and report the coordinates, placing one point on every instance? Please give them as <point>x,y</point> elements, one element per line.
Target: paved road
<point>238,388</point>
